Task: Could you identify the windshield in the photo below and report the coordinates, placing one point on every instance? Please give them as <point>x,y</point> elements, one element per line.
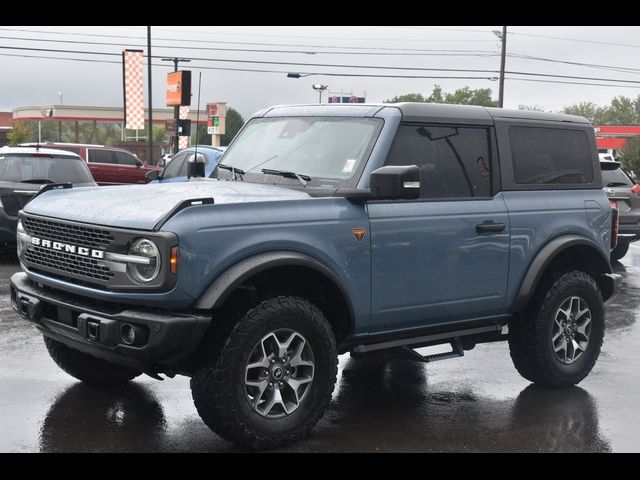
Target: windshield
<point>43,169</point>
<point>329,150</point>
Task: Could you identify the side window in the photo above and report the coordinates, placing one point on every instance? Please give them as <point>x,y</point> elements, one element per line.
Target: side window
<point>126,159</point>
<point>101,156</point>
<point>173,169</point>
<point>550,155</point>
<point>454,161</point>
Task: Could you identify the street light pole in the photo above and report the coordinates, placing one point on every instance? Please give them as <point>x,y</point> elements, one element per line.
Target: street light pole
<point>503,57</point>
<point>176,110</point>
<point>320,88</point>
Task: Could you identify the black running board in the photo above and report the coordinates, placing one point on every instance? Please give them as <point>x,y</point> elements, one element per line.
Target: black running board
<point>456,351</point>
<point>435,338</point>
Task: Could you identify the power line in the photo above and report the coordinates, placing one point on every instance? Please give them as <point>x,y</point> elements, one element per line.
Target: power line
<point>329,74</point>
<point>264,62</point>
<point>441,29</point>
<point>434,52</point>
<point>576,40</point>
<point>323,37</point>
<point>367,67</point>
<point>569,83</point>
<point>342,47</point>
<point>571,77</point>
<point>580,64</point>
<point>255,70</point>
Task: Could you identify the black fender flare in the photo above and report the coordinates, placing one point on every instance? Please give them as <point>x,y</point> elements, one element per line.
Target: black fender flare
<point>542,260</point>
<point>216,293</point>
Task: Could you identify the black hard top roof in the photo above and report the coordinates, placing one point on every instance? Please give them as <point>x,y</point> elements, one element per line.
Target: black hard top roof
<point>476,114</point>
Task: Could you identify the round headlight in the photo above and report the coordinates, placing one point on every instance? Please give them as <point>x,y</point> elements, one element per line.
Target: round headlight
<point>148,271</point>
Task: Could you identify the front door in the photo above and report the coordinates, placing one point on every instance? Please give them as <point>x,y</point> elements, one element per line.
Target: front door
<point>443,257</point>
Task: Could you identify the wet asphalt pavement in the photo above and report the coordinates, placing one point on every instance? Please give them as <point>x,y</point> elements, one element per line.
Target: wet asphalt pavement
<point>477,403</point>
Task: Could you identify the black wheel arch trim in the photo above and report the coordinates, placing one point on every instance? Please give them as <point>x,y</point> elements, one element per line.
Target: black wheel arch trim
<point>216,293</point>
<point>542,260</point>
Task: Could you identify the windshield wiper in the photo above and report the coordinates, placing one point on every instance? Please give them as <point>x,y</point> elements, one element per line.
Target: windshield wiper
<point>303,178</point>
<point>37,180</point>
<point>233,170</point>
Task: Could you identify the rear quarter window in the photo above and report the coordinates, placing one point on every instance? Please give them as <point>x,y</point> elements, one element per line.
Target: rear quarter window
<point>543,156</point>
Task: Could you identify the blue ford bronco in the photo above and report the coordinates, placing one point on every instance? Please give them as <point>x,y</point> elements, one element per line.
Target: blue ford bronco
<point>329,229</point>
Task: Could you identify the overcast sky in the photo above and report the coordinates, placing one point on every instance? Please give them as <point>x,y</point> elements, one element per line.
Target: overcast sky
<point>611,52</point>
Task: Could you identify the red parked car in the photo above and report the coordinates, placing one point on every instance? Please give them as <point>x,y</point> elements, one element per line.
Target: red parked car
<point>108,165</point>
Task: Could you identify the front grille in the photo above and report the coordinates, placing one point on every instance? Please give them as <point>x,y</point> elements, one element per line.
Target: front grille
<point>89,268</point>
<point>68,233</point>
<point>14,202</point>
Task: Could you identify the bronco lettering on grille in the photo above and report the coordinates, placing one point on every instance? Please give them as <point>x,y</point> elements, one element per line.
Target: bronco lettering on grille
<point>67,248</point>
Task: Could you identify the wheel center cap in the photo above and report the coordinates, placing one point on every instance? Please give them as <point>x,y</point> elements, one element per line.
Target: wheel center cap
<point>568,329</point>
<point>277,373</point>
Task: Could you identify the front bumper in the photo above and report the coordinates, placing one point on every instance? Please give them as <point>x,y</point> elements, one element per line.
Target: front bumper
<point>165,340</point>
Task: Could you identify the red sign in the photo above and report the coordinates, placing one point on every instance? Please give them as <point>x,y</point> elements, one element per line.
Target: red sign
<point>212,109</point>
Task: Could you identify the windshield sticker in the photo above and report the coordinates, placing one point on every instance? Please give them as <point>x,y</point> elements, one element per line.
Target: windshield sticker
<point>348,165</point>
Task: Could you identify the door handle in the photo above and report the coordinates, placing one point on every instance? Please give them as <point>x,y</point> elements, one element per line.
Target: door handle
<point>490,227</point>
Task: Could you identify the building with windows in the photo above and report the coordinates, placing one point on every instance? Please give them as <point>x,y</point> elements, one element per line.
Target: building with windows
<point>99,125</point>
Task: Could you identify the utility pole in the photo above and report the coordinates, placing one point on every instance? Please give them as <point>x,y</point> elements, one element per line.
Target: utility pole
<point>503,58</point>
<point>176,110</point>
<point>149,57</point>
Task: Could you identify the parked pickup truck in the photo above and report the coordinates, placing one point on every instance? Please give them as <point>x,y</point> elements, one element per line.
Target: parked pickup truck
<point>330,229</point>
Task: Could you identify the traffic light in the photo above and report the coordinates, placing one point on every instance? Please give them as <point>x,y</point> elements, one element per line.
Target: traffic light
<point>184,128</point>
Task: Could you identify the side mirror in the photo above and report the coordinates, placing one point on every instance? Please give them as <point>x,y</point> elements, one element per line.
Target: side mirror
<point>195,167</point>
<point>396,182</point>
<point>138,163</point>
<point>152,175</point>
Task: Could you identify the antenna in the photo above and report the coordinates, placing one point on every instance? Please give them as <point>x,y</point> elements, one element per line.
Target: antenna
<point>198,116</point>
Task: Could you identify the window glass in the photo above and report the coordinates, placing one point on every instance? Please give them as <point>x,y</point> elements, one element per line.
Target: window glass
<point>126,159</point>
<point>44,168</point>
<point>172,170</point>
<point>550,155</point>
<point>454,161</point>
<point>101,156</point>
<point>615,178</point>
<point>329,150</point>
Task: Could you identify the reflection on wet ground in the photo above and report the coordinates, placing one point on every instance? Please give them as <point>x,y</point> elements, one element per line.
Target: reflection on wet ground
<point>473,404</point>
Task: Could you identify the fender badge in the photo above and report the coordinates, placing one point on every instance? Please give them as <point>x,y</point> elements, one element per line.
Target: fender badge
<point>359,233</point>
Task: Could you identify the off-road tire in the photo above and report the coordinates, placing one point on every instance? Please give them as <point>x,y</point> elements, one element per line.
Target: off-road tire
<point>530,337</point>
<point>620,251</point>
<point>88,369</point>
<point>217,385</point>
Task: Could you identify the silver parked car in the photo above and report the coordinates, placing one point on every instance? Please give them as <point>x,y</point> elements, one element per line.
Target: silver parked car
<point>624,194</point>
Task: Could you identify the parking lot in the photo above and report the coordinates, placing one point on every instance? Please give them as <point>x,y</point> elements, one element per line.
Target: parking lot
<point>476,403</point>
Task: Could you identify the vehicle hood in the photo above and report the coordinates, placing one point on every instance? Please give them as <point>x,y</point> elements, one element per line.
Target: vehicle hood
<point>143,206</point>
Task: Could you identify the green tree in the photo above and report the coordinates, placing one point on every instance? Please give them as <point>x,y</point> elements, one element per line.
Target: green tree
<point>588,110</point>
<point>531,108</point>
<point>20,133</point>
<point>437,96</point>
<point>203,137</point>
<point>466,96</point>
<point>630,155</point>
<point>407,97</point>
<point>234,123</point>
<point>622,111</point>
<point>462,96</point>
